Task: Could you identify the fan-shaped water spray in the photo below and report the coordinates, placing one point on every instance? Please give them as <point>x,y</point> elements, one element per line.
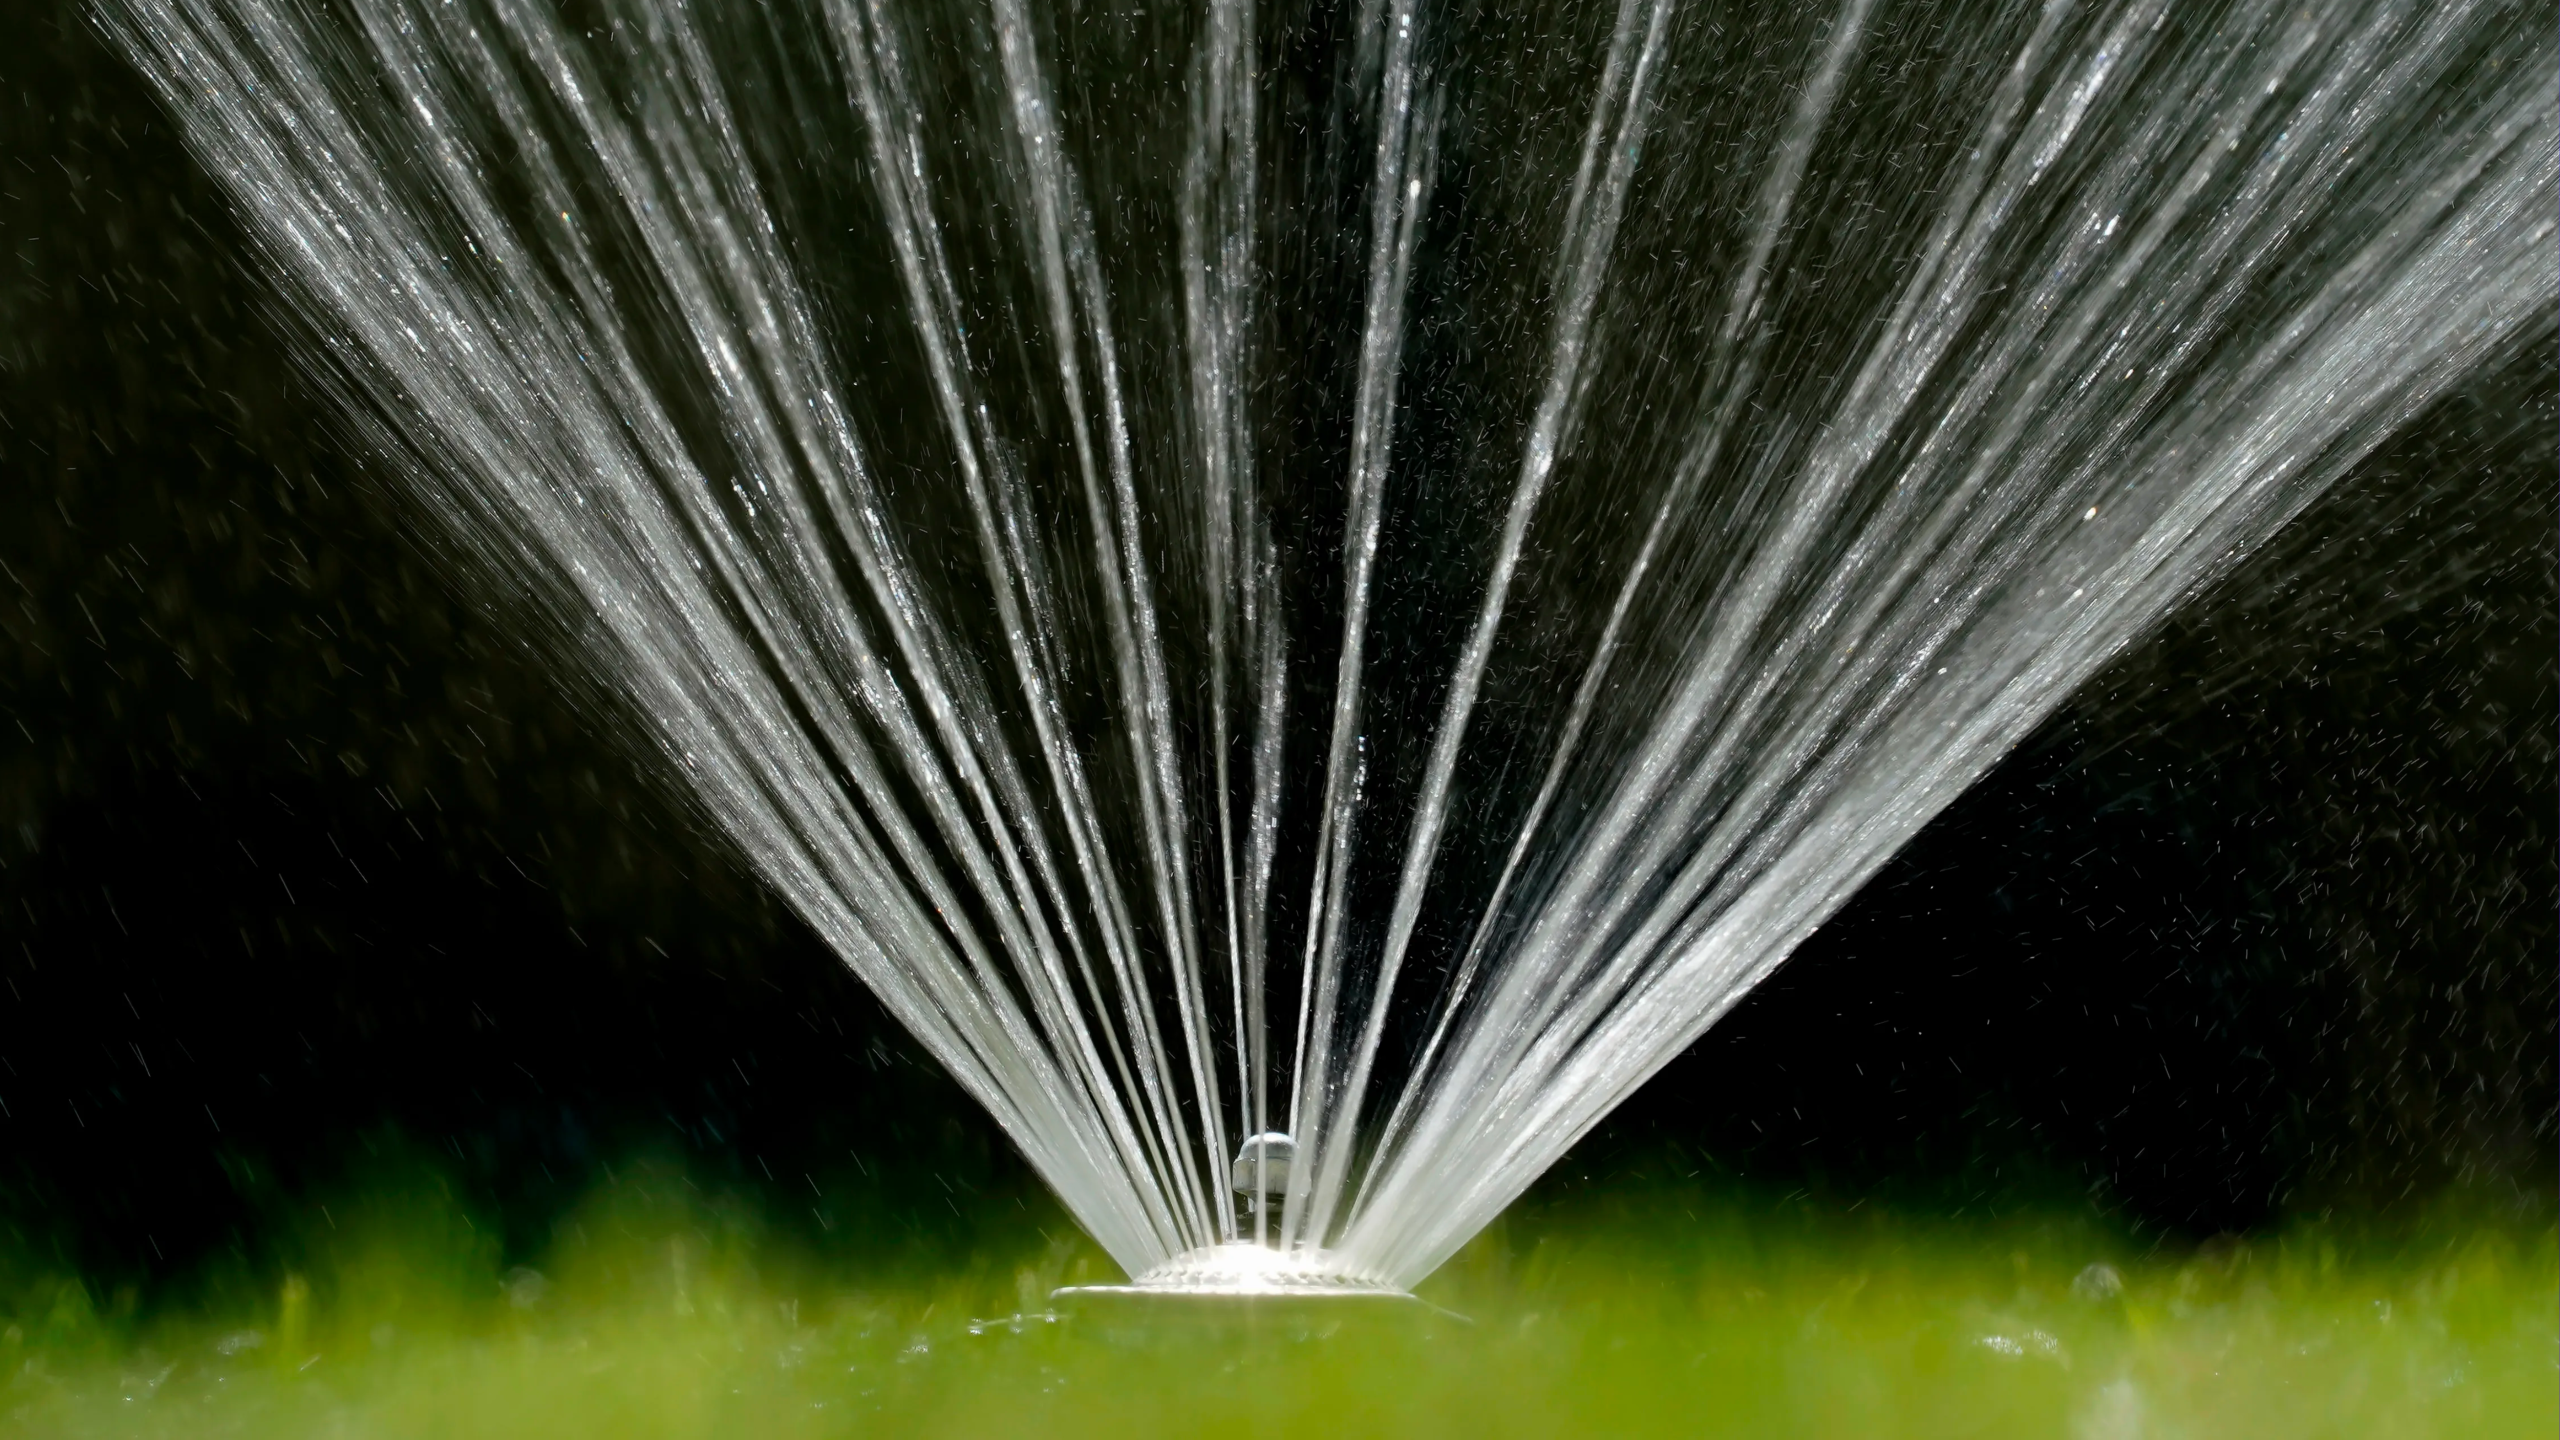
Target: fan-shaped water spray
<point>1356,579</point>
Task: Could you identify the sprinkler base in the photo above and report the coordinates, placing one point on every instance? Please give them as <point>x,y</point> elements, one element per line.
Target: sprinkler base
<point>1245,1287</point>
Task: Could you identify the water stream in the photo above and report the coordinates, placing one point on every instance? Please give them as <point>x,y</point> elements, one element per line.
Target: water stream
<point>1360,573</point>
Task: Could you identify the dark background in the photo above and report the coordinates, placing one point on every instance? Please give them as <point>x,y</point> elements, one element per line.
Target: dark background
<point>301,854</point>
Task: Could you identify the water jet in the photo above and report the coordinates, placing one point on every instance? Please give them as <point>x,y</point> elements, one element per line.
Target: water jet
<point>1036,542</point>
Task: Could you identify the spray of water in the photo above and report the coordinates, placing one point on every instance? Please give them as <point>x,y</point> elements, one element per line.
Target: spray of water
<point>1363,575</point>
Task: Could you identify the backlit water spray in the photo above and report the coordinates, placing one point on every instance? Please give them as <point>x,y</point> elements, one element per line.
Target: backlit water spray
<point>1310,595</point>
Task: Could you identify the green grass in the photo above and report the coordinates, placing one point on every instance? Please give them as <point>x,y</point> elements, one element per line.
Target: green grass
<point>657,1313</point>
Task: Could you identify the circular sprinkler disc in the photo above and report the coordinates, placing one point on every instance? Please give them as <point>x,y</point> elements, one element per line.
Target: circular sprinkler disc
<point>1244,1286</point>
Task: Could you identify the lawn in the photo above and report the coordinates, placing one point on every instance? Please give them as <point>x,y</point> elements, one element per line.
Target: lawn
<point>658,1311</point>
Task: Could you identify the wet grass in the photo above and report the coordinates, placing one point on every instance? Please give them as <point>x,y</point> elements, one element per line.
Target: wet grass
<point>659,1312</point>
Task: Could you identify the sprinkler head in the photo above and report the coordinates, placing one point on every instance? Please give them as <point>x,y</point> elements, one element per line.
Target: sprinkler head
<point>1262,1166</point>
<point>1241,1284</point>
<point>1245,1289</point>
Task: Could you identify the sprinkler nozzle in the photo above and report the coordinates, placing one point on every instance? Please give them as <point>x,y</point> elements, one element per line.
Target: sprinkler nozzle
<point>1262,1166</point>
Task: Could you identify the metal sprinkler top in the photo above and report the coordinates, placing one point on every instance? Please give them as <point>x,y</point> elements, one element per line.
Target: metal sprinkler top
<point>1262,1166</point>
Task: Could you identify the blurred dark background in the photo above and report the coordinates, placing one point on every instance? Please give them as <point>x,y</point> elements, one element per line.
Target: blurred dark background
<point>300,850</point>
